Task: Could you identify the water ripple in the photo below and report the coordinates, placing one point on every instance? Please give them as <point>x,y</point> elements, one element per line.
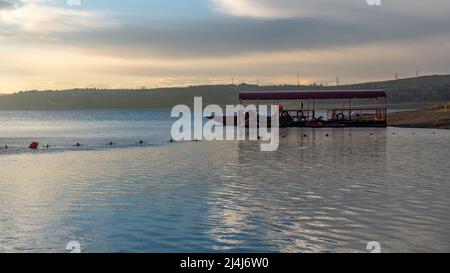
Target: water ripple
<point>315,194</point>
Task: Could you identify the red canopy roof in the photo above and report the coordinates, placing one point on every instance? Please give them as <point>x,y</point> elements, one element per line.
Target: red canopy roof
<point>312,94</point>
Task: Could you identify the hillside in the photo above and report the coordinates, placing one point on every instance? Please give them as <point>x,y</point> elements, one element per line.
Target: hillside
<point>413,90</point>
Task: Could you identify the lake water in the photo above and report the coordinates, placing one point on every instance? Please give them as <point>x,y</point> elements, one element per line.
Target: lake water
<point>315,194</point>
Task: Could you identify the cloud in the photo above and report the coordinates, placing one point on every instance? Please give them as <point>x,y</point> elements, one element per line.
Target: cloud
<point>241,36</point>
<point>43,17</point>
<point>260,26</point>
<point>247,39</point>
<point>5,4</point>
<point>328,9</point>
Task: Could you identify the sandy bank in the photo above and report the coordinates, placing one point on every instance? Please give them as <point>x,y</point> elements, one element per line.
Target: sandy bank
<point>437,117</point>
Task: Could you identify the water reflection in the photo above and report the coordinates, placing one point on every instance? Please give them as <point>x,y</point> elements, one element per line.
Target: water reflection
<point>317,193</point>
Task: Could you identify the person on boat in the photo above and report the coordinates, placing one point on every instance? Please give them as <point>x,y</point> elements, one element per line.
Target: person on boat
<point>141,142</point>
<point>6,147</point>
<point>111,143</point>
<point>77,145</point>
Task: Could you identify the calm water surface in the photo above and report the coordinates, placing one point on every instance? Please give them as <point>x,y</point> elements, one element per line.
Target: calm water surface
<point>315,194</point>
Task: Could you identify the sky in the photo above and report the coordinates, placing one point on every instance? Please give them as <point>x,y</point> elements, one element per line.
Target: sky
<point>61,44</point>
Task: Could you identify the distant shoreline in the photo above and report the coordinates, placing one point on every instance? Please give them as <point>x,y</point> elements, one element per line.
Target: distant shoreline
<point>402,94</point>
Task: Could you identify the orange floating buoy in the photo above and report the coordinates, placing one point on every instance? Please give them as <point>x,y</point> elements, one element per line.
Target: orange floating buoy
<point>34,145</point>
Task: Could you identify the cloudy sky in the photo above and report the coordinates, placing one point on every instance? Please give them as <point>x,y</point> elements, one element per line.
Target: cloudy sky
<point>58,44</point>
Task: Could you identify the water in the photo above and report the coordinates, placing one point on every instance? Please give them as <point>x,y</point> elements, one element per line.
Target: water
<point>315,194</point>
<point>93,129</point>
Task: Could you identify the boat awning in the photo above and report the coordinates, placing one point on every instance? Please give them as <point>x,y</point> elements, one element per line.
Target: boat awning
<point>312,94</point>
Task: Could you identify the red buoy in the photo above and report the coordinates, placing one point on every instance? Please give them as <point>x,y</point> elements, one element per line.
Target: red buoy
<point>34,145</point>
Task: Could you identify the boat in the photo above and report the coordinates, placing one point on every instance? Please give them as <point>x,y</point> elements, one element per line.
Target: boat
<point>351,112</point>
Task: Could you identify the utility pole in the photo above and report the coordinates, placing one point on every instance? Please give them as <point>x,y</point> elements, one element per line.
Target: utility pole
<point>298,81</point>
<point>417,73</point>
<point>396,76</point>
<point>337,81</point>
